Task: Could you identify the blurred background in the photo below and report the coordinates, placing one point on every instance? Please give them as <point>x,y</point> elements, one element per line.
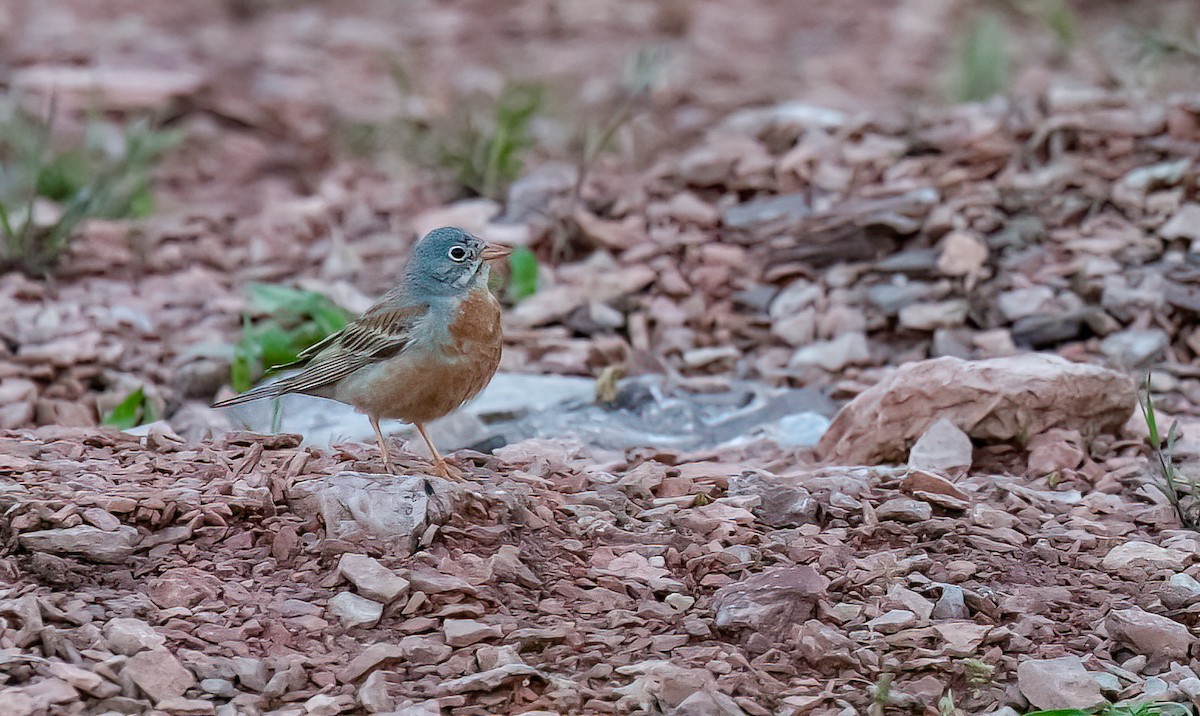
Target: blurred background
<point>195,190</point>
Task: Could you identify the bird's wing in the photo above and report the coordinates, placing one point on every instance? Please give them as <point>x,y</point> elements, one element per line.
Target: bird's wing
<point>380,333</point>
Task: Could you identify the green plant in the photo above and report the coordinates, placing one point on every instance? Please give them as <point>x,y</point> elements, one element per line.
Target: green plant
<point>486,152</point>
<point>1182,492</point>
<point>983,64</point>
<point>281,323</point>
<point>1154,709</point>
<point>46,191</point>
<point>135,409</point>
<point>523,273</point>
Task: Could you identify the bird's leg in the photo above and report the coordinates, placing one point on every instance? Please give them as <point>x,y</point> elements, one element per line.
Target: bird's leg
<point>383,448</point>
<point>439,462</point>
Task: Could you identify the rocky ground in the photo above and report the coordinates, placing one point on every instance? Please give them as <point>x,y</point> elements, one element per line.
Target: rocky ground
<point>981,287</point>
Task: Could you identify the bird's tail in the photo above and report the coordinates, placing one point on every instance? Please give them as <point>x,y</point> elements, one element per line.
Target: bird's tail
<point>271,390</point>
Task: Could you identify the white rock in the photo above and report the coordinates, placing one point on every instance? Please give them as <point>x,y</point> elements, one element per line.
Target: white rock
<point>1184,225</point>
<point>85,541</point>
<point>1135,347</point>
<point>465,632</point>
<point>833,355</point>
<point>1061,683</point>
<point>963,254</point>
<point>372,579</point>
<point>892,621</point>
<point>128,636</point>
<point>943,448</point>
<point>904,509</point>
<point>1136,553</point>
<point>353,610</point>
<point>928,316</point>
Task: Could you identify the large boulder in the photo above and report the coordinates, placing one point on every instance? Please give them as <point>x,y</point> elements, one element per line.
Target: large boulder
<point>994,400</point>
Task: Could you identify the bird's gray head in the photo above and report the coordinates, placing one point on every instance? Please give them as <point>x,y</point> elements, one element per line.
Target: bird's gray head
<point>450,261</point>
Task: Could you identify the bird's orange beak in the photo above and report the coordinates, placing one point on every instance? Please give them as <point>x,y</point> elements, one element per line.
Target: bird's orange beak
<point>494,251</point>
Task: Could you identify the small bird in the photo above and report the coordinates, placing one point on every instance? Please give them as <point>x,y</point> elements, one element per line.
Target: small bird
<point>428,346</point>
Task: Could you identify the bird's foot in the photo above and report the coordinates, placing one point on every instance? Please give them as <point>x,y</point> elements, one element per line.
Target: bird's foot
<point>443,469</point>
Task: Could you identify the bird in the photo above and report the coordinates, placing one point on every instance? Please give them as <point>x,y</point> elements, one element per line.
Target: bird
<point>430,344</point>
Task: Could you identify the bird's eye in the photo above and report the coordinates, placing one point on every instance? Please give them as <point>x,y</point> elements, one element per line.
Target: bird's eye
<point>458,254</point>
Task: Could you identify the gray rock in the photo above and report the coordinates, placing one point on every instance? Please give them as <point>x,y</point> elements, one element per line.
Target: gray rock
<point>928,316</point>
<point>84,541</point>
<point>951,605</point>
<point>353,610</point>
<point>158,674</point>
<point>770,601</point>
<point>781,504</point>
<point>1061,683</point>
<point>1181,591</point>
<point>1156,637</point>
<point>373,694</point>
<point>465,632</point>
<point>394,509</point>
<point>786,208</point>
<point>1185,224</point>
<point>892,297</point>
<point>1023,302</point>
<point>942,448</point>
<point>904,509</point>
<point>892,621</point>
<point>1134,348</point>
<point>371,579</point>
<point>128,636</point>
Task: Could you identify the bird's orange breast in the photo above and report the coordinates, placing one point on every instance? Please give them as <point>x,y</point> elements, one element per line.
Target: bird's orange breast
<point>426,383</point>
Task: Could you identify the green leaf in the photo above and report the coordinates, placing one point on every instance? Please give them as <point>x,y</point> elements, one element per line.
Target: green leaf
<point>276,345</point>
<point>523,281</point>
<point>129,412</point>
<point>984,62</point>
<point>1060,712</point>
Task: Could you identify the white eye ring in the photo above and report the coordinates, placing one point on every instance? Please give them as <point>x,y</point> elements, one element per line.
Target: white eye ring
<point>457,254</point>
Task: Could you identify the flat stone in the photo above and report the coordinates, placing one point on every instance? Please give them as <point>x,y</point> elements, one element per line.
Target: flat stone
<point>84,541</point>
<point>1061,683</point>
<point>128,636</point>
<point>833,355</point>
<point>486,680</point>
<point>1156,637</point>
<point>928,316</point>
<point>1136,553</point>
<point>1135,347</point>
<point>904,509</point>
<point>180,705</point>
<point>943,448</point>
<point>372,657</point>
<point>424,650</point>
<point>372,579</point>
<point>465,632</point>
<point>353,610</point>
<point>892,621</point>
<point>159,674</point>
